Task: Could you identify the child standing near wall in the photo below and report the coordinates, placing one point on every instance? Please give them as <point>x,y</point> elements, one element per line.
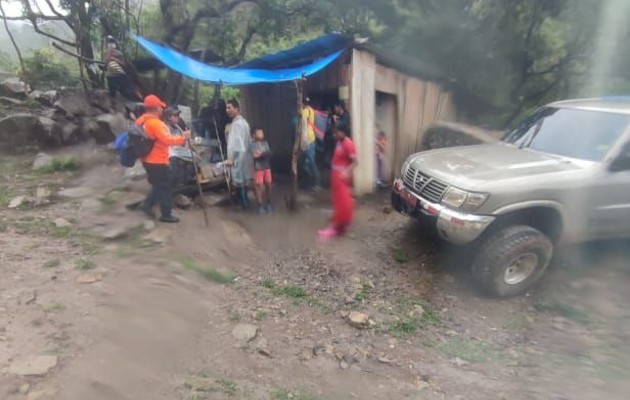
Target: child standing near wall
<point>262,170</point>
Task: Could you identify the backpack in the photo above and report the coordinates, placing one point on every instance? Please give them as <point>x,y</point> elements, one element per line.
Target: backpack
<point>133,145</point>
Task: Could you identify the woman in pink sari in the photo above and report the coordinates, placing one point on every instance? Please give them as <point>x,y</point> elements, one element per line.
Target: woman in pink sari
<point>343,163</point>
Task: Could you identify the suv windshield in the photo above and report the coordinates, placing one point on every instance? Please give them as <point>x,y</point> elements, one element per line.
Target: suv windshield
<point>581,134</point>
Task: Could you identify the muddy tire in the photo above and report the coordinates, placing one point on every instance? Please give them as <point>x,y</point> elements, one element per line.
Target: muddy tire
<point>511,260</point>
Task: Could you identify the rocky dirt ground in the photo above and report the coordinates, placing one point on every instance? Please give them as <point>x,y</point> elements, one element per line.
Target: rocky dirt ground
<point>98,303</point>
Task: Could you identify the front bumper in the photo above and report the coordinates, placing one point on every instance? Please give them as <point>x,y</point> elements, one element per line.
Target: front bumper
<point>453,226</point>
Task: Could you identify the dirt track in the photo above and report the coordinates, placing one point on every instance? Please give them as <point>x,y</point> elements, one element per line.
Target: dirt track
<point>159,321</point>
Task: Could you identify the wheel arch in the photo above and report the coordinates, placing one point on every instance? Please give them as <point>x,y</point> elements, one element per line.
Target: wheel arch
<point>548,217</point>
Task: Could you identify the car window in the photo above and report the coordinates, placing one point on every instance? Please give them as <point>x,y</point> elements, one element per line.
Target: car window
<point>582,134</point>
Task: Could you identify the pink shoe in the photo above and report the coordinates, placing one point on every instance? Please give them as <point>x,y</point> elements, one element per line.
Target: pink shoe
<point>327,233</point>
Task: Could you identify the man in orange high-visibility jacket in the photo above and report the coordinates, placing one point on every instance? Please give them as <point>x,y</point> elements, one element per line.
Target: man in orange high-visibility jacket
<point>156,163</point>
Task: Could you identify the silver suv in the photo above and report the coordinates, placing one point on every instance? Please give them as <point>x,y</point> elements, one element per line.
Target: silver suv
<point>562,176</point>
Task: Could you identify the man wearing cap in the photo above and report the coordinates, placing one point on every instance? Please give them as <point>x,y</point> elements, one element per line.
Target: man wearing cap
<point>156,163</point>
<point>179,156</point>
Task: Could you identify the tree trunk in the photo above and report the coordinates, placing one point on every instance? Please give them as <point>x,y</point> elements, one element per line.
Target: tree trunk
<point>15,46</point>
<point>84,43</point>
<point>297,148</point>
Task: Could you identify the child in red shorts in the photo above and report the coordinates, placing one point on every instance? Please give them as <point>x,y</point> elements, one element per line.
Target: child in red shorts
<point>262,170</point>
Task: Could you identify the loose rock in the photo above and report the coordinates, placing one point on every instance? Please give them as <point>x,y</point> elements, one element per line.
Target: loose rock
<point>14,87</point>
<point>25,388</point>
<point>35,366</point>
<point>182,201</point>
<point>89,278</point>
<point>148,225</point>
<point>358,320</point>
<point>459,362</point>
<point>62,223</point>
<point>159,235</point>
<point>385,360</point>
<point>16,202</point>
<point>42,193</point>
<point>244,333</point>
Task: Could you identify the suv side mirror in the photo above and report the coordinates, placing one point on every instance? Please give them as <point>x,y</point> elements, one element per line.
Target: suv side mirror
<point>622,162</point>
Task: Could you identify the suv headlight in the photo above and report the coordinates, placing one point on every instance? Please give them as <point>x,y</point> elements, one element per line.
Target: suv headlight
<point>469,201</point>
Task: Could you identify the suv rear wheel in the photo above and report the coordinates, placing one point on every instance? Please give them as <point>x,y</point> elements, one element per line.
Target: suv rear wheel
<point>511,260</point>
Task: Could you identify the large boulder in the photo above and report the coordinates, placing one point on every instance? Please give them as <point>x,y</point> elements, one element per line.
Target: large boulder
<point>14,87</point>
<point>74,103</point>
<point>24,129</point>
<point>106,127</point>
<point>47,98</point>
<point>66,132</point>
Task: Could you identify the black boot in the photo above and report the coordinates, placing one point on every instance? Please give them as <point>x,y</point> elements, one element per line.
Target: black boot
<point>169,219</point>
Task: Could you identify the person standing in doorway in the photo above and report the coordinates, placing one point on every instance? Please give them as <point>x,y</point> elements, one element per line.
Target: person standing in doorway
<point>309,164</point>
<point>381,149</point>
<point>238,155</point>
<point>343,164</point>
<point>341,117</point>
<point>156,163</point>
<point>262,171</point>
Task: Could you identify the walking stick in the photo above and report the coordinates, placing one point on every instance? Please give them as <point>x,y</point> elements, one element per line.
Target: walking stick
<point>197,170</point>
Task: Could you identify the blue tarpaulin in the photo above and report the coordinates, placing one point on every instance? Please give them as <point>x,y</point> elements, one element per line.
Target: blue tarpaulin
<point>233,76</point>
<point>302,54</point>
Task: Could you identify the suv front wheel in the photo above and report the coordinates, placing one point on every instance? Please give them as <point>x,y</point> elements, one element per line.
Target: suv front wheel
<point>511,260</point>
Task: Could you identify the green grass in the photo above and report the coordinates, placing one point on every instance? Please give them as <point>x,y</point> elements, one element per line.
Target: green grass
<point>516,322</point>
<point>297,293</point>
<point>409,319</point>
<point>5,196</point>
<point>63,163</point>
<point>284,394</point>
<point>235,316</point>
<point>400,256</point>
<point>564,310</point>
<point>201,385</point>
<point>227,387</point>
<point>261,315</point>
<point>292,291</point>
<point>52,263</point>
<point>84,264</point>
<point>54,308</point>
<point>403,328</point>
<point>363,293</point>
<point>109,201</point>
<point>61,232</point>
<point>210,274</point>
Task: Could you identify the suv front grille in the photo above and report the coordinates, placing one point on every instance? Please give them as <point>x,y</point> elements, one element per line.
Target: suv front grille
<point>423,185</point>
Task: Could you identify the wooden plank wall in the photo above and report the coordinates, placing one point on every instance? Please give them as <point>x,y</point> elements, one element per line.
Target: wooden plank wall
<point>272,107</point>
<point>420,104</point>
<point>362,106</point>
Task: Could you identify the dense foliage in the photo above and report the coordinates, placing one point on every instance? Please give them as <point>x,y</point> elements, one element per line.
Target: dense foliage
<point>513,55</point>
